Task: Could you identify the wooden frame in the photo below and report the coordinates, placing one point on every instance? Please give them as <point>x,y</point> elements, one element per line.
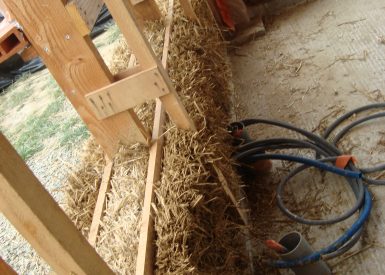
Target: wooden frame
<point>87,77</point>
<point>84,14</point>
<point>36,215</point>
<point>71,57</point>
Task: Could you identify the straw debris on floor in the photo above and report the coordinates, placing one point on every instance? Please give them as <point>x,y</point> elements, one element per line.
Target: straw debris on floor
<point>198,228</point>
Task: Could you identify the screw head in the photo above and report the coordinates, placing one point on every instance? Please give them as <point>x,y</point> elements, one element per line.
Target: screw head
<point>67,37</point>
<point>46,49</point>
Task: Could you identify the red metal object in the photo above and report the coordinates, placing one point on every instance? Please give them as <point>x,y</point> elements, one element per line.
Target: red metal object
<point>225,13</point>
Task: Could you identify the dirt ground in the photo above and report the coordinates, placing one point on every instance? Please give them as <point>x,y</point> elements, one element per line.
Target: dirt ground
<point>316,62</point>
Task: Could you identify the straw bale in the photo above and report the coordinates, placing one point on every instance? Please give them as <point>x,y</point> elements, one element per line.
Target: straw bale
<point>197,227</point>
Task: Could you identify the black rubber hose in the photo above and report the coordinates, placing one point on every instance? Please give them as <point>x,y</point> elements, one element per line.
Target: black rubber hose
<point>287,212</point>
<point>368,170</point>
<point>344,117</point>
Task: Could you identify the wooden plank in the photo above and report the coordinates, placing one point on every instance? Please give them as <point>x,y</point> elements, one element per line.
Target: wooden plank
<point>122,13</point>
<point>147,10</point>
<point>28,54</point>
<point>5,269</point>
<point>40,220</point>
<point>84,13</point>
<point>222,179</point>
<point>8,17</point>
<point>127,93</point>
<point>188,10</point>
<point>100,202</point>
<point>127,73</point>
<point>145,258</point>
<point>77,67</point>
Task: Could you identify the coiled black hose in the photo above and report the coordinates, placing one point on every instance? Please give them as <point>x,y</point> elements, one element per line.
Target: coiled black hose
<point>324,152</point>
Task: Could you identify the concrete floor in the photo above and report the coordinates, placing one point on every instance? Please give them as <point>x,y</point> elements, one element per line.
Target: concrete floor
<point>316,62</point>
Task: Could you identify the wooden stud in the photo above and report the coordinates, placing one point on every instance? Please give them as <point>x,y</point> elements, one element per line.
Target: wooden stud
<point>145,258</point>
<point>40,220</point>
<point>77,67</point>
<point>188,10</point>
<point>100,202</point>
<point>28,54</point>
<point>84,13</point>
<point>127,93</point>
<point>5,269</point>
<point>122,13</point>
<point>8,17</point>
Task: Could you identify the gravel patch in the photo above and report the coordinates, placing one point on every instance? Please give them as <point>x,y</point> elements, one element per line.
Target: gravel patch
<point>51,168</point>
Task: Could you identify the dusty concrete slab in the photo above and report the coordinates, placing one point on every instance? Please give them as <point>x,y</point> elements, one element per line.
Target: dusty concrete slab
<point>315,63</point>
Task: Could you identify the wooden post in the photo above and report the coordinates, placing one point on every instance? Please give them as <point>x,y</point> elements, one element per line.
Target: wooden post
<point>77,67</point>
<point>145,258</point>
<point>121,11</point>
<point>38,218</point>
<point>84,13</point>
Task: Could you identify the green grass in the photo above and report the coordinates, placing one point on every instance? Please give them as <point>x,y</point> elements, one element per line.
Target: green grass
<point>29,137</point>
<point>18,95</point>
<point>110,36</point>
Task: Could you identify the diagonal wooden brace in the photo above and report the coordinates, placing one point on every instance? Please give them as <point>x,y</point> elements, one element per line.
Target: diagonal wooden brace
<point>122,13</point>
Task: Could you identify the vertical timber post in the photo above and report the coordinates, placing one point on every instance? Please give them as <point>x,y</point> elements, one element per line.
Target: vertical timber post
<point>77,67</point>
<point>40,220</point>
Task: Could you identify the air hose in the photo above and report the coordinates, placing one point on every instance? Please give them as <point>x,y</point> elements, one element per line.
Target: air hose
<point>326,153</point>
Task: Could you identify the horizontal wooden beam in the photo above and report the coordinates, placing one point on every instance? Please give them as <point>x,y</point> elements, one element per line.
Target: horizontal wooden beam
<point>84,14</point>
<point>127,93</point>
<point>122,12</point>
<point>40,220</point>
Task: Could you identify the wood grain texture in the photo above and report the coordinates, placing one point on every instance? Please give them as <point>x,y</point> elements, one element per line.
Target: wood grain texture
<point>38,218</point>
<point>148,10</point>
<point>28,54</point>
<point>77,67</point>
<point>127,93</point>
<point>84,13</point>
<point>121,11</point>
<point>100,203</point>
<point>145,257</point>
